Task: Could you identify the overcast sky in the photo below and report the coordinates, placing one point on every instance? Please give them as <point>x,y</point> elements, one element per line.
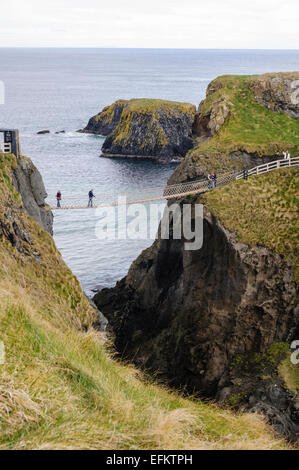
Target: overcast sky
<point>263,24</point>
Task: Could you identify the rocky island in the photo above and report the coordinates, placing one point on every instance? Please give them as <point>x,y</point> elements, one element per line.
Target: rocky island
<point>145,128</point>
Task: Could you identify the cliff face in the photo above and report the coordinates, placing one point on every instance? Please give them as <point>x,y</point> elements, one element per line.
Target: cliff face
<point>218,320</point>
<point>28,182</point>
<point>243,122</point>
<point>146,128</point>
<point>59,389</point>
<point>278,92</point>
<point>105,122</point>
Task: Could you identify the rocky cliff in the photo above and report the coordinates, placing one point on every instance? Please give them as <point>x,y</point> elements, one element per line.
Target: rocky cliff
<point>243,122</point>
<point>28,182</point>
<point>106,121</point>
<point>278,92</point>
<point>219,320</point>
<point>145,128</point>
<point>59,387</point>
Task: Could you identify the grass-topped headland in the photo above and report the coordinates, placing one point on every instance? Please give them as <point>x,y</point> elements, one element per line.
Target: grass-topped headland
<point>243,120</point>
<point>262,210</point>
<point>59,386</point>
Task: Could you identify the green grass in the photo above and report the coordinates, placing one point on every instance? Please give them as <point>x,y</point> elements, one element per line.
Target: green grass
<point>60,387</point>
<point>250,127</point>
<point>148,105</point>
<point>262,211</point>
<point>289,372</point>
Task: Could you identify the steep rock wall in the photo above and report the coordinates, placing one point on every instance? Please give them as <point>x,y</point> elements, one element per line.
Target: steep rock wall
<point>218,320</point>
<point>105,122</point>
<point>28,182</point>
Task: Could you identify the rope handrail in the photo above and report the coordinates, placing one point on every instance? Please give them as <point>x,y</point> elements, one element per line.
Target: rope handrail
<point>194,187</point>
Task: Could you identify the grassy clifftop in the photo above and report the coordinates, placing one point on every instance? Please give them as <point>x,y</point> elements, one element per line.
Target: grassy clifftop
<point>59,387</point>
<point>241,119</point>
<point>145,105</point>
<point>262,211</point>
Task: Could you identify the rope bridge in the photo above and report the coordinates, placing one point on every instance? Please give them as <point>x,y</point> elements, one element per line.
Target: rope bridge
<point>189,188</point>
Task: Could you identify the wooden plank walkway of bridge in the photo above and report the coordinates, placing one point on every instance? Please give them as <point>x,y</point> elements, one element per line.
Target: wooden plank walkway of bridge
<point>192,187</point>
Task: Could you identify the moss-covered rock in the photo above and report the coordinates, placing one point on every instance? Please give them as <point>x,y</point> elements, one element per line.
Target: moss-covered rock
<point>243,122</point>
<point>147,128</point>
<point>105,121</point>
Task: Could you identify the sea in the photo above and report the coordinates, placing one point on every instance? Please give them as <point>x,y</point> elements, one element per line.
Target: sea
<point>60,89</point>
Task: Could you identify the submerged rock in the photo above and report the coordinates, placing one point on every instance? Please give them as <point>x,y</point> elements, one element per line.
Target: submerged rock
<point>43,132</point>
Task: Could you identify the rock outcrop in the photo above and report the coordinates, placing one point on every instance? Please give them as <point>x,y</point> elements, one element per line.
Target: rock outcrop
<point>43,132</point>
<point>217,320</point>
<point>145,128</point>
<point>278,92</point>
<point>106,121</point>
<point>243,122</point>
<point>28,182</point>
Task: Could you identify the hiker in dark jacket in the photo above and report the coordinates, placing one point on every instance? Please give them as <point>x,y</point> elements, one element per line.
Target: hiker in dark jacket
<point>58,197</point>
<point>214,180</point>
<point>90,198</point>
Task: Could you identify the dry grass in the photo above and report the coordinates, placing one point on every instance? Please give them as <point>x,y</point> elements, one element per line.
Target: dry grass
<point>60,389</point>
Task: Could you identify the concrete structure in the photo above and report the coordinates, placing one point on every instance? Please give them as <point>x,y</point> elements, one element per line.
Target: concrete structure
<point>11,142</point>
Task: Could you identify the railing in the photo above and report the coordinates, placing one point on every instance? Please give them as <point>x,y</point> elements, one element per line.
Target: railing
<point>266,167</point>
<point>225,178</point>
<point>191,187</point>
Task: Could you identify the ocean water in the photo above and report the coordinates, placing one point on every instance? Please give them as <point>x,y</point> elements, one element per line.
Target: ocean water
<point>60,89</point>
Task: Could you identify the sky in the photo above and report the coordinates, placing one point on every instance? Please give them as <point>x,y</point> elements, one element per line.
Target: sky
<point>230,24</point>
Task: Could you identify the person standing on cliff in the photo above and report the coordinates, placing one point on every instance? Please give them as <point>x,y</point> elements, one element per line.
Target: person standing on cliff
<point>210,181</point>
<point>214,180</point>
<point>90,198</point>
<point>58,197</point>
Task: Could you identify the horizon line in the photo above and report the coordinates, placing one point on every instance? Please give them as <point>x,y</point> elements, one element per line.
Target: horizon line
<point>152,48</point>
